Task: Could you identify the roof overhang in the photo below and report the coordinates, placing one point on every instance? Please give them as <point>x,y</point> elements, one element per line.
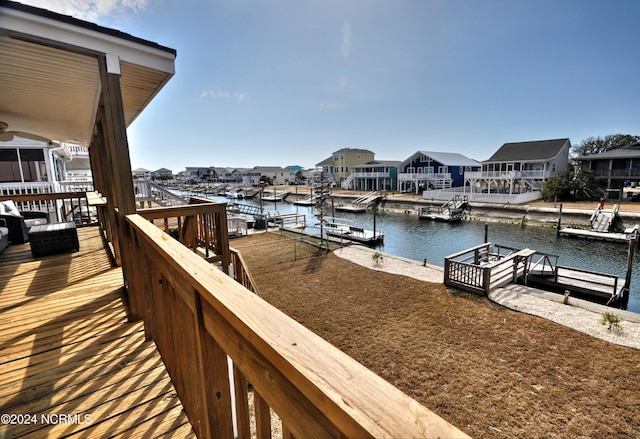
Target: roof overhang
<point>49,71</point>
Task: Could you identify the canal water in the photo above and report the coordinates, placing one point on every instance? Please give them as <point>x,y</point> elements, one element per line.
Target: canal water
<point>410,237</point>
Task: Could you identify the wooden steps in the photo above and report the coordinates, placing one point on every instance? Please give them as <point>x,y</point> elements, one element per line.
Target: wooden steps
<point>70,359</point>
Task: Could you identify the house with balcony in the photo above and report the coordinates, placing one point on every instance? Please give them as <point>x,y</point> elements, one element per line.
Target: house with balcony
<point>163,173</point>
<point>620,167</point>
<point>339,167</point>
<point>142,173</point>
<point>428,170</point>
<point>227,175</point>
<point>520,167</point>
<point>135,328</point>
<point>275,175</point>
<point>376,175</point>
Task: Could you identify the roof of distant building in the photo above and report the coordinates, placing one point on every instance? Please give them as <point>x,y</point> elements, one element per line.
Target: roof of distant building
<point>629,151</point>
<point>528,151</point>
<point>356,150</point>
<point>444,158</point>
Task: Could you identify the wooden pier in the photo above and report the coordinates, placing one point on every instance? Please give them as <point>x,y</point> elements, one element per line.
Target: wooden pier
<point>485,267</point>
<point>67,348</point>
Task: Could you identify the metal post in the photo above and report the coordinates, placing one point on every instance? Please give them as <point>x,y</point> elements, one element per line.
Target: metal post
<point>486,233</point>
<point>559,221</point>
<point>627,281</point>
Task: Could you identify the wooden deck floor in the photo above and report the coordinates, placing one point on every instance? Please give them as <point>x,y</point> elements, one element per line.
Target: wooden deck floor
<point>69,360</point>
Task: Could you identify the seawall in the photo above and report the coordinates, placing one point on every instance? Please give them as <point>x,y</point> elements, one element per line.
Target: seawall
<point>507,213</point>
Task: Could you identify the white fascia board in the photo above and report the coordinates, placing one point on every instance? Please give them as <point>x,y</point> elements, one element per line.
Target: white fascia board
<point>86,39</point>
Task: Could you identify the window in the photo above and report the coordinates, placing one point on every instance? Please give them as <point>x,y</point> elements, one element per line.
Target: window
<point>29,161</point>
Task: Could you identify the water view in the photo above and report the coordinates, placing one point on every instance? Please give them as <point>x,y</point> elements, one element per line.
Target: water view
<point>408,236</point>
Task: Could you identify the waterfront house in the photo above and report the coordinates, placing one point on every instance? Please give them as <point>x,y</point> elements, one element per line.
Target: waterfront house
<point>162,173</point>
<point>620,167</point>
<point>325,168</point>
<point>141,173</point>
<point>155,340</point>
<point>521,167</point>
<point>78,169</point>
<point>275,175</point>
<point>227,175</point>
<point>292,171</point>
<point>376,175</point>
<point>338,168</point>
<point>426,170</point>
<point>196,174</point>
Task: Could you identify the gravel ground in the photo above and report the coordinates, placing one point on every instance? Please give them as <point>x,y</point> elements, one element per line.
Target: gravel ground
<point>514,297</point>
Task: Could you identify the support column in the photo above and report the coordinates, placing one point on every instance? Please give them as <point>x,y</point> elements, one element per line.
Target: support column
<point>118,177</point>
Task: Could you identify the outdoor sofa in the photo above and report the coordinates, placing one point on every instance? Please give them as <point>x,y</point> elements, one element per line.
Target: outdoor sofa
<point>18,222</point>
<point>4,235</point>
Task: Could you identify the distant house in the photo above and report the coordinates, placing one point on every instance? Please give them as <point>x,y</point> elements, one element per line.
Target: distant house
<point>78,169</point>
<point>141,173</point>
<point>162,173</point>
<point>339,166</point>
<point>227,175</point>
<point>292,170</point>
<point>275,175</point>
<point>426,170</point>
<point>521,167</point>
<point>376,175</point>
<point>326,168</point>
<point>198,174</point>
<point>620,167</point>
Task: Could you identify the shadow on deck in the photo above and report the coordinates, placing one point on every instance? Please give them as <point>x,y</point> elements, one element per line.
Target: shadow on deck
<point>70,362</point>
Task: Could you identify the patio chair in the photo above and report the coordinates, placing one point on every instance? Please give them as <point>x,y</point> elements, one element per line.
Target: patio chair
<point>4,235</point>
<point>19,223</point>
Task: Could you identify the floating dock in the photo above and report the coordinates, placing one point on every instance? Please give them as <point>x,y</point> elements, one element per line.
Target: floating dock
<point>360,204</point>
<point>599,236</point>
<point>452,211</point>
<point>485,267</point>
<point>606,225</point>
<point>339,228</point>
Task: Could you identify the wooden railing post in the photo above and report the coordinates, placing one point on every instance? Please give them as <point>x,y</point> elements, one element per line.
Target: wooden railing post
<point>216,413</point>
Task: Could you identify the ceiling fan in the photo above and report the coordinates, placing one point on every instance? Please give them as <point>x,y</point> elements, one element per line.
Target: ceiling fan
<point>7,136</point>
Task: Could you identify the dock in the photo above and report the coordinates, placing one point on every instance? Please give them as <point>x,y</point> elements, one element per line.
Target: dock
<point>486,267</point>
<point>274,196</point>
<point>606,225</point>
<point>360,204</point>
<point>451,211</point>
<point>342,229</point>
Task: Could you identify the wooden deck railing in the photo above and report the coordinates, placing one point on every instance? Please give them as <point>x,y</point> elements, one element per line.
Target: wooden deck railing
<point>201,226</point>
<point>200,318</point>
<point>484,267</point>
<point>61,206</point>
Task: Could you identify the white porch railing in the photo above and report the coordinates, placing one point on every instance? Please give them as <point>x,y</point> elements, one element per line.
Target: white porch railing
<point>371,174</point>
<point>484,197</point>
<point>423,176</point>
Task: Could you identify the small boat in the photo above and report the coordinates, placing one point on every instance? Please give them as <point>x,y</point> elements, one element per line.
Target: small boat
<point>234,195</point>
<point>274,196</point>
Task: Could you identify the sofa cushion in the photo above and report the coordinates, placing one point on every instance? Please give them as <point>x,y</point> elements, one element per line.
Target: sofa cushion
<point>35,222</point>
<point>10,208</point>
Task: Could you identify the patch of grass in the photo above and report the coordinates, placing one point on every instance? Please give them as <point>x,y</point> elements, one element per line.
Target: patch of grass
<point>613,321</point>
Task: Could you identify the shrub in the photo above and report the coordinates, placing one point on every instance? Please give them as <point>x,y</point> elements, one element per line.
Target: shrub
<point>612,320</point>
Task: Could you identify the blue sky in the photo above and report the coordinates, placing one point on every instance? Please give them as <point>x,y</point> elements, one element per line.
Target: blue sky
<point>285,82</point>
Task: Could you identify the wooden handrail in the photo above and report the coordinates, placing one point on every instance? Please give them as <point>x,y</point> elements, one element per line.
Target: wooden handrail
<point>198,316</point>
<point>201,225</point>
